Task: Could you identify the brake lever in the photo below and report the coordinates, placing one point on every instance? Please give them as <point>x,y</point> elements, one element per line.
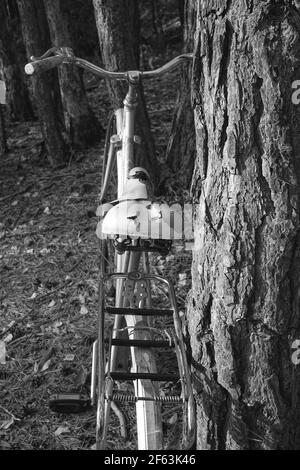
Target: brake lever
<point>48,53</point>
<point>66,52</point>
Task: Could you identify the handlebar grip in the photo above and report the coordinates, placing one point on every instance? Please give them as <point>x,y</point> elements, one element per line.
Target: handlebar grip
<point>43,65</point>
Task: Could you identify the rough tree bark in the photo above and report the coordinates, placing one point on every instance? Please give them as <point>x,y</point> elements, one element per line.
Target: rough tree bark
<point>244,305</point>
<point>36,39</point>
<point>3,139</point>
<point>3,144</point>
<point>81,124</point>
<point>115,24</point>
<point>181,150</point>
<point>12,52</point>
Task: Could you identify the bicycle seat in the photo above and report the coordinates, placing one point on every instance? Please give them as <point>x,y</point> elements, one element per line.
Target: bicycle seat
<point>136,216</point>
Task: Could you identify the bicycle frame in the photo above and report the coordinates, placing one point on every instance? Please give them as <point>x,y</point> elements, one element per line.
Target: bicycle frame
<point>129,262</point>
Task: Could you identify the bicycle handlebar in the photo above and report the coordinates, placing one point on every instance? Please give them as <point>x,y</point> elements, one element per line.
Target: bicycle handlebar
<point>43,65</point>
<point>65,55</point>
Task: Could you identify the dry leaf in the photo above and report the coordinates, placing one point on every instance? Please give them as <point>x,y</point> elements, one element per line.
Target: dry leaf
<point>8,338</point>
<point>61,430</point>
<point>83,310</point>
<point>2,353</point>
<point>7,424</point>
<point>46,365</point>
<point>173,419</point>
<point>69,357</point>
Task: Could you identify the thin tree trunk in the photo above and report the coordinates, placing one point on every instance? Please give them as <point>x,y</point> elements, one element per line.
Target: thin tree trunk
<point>181,12</point>
<point>244,305</point>
<point>157,25</point>
<point>118,49</point>
<point>13,56</point>
<point>81,124</point>
<point>36,39</point>
<point>181,150</point>
<point>3,141</point>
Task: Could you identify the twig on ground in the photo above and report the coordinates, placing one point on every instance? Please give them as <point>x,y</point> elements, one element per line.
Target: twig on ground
<point>121,419</point>
<point>9,413</point>
<point>5,198</point>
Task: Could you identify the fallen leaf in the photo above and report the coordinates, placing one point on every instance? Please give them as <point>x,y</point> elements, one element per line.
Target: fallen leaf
<point>46,365</point>
<point>61,430</point>
<point>173,419</point>
<point>8,338</point>
<point>2,353</point>
<point>7,424</point>
<point>83,310</point>
<point>69,357</point>
<point>44,429</point>
<point>182,279</point>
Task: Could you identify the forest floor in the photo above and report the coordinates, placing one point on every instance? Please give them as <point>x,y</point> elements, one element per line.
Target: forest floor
<point>49,281</point>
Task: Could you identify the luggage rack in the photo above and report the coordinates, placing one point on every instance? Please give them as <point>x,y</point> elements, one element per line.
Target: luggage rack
<point>135,287</point>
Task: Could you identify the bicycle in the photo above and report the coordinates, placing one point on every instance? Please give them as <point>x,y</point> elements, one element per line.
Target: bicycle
<point>130,227</point>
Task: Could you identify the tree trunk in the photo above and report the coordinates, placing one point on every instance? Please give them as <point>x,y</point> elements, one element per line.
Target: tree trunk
<point>3,142</point>
<point>3,139</point>
<point>157,26</point>
<point>118,49</point>
<point>36,39</point>
<point>13,56</point>
<point>80,121</point>
<point>181,12</point>
<point>181,150</point>
<point>244,304</point>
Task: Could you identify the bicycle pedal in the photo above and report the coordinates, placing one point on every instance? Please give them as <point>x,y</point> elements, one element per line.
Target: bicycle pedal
<point>69,403</point>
